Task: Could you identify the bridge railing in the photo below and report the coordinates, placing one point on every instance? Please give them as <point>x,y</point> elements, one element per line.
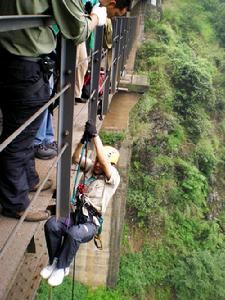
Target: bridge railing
<point>122,40</point>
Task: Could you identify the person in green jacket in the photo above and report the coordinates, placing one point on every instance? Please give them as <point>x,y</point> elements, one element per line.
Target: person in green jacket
<point>114,8</point>
<point>24,88</point>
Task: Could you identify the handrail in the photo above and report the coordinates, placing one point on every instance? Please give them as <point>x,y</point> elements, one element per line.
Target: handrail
<point>33,200</point>
<point>122,41</point>
<point>32,118</point>
<point>24,21</point>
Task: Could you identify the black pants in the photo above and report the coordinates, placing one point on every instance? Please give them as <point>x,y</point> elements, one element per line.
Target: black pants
<point>63,239</point>
<point>18,101</point>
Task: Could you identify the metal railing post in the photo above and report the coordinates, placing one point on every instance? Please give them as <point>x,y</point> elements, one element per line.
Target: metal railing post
<point>105,103</point>
<point>115,54</point>
<point>65,127</point>
<point>121,48</point>
<point>95,72</point>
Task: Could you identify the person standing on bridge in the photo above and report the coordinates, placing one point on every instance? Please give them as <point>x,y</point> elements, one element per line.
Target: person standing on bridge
<point>100,181</point>
<point>114,8</point>
<point>24,88</point>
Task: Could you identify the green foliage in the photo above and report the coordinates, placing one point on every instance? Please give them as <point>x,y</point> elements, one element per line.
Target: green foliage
<point>139,116</point>
<point>63,291</point>
<point>193,185</point>
<point>81,292</point>
<point>175,158</point>
<point>192,78</point>
<point>175,137</point>
<point>151,20</point>
<point>200,276</point>
<point>219,19</point>
<point>179,253</point>
<point>112,138</point>
<point>179,16</point>
<point>145,54</point>
<point>139,271</point>
<point>205,158</point>
<point>186,233</point>
<point>196,123</point>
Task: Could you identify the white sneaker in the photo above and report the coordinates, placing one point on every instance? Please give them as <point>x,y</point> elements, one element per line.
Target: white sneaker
<point>57,276</point>
<point>47,271</point>
<point>67,271</point>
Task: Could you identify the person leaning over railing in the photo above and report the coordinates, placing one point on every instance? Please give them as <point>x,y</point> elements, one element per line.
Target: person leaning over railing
<point>24,88</point>
<point>114,8</point>
<point>83,50</point>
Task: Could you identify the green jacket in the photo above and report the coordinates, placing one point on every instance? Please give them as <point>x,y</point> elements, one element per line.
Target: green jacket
<point>69,16</point>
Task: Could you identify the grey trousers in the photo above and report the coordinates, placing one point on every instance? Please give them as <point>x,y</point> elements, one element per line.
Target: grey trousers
<point>63,238</point>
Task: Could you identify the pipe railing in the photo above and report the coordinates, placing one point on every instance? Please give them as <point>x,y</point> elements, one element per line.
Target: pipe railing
<point>122,39</point>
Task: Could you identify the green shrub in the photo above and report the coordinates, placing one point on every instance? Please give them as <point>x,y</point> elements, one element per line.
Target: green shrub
<point>219,19</point>
<point>146,52</point>
<point>205,158</point>
<point>63,291</point>
<point>192,78</point>
<point>200,276</point>
<point>141,270</point>
<point>112,138</point>
<point>196,123</point>
<point>175,137</point>
<point>193,185</point>
<point>81,292</point>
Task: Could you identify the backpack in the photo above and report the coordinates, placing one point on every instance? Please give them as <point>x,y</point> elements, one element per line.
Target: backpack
<point>86,90</point>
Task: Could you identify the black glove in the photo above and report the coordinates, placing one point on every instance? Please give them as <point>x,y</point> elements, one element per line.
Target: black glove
<point>90,129</point>
<point>88,7</point>
<point>85,138</point>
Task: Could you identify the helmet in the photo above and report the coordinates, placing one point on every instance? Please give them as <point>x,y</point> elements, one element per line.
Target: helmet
<point>112,154</point>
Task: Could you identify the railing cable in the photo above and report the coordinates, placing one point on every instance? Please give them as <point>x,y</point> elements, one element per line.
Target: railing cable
<point>32,118</point>
<point>33,200</point>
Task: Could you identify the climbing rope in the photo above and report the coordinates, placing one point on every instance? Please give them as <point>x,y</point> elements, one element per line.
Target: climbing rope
<point>84,149</point>
<point>49,292</point>
<point>74,194</point>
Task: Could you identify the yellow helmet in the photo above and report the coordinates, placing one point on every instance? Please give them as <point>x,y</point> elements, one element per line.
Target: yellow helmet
<point>112,154</point>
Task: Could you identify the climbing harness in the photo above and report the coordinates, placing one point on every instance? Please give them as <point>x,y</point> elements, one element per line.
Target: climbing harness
<point>97,237</point>
<point>73,201</point>
<point>78,198</point>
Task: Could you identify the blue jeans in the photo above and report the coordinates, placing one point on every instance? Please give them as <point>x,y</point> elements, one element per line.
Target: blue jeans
<point>63,238</point>
<point>45,132</point>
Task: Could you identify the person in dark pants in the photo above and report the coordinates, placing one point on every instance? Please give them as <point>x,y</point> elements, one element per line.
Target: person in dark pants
<point>64,236</point>
<point>24,89</point>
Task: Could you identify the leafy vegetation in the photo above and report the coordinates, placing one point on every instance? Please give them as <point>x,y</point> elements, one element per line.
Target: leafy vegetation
<point>178,159</point>
<point>112,138</point>
<point>173,243</point>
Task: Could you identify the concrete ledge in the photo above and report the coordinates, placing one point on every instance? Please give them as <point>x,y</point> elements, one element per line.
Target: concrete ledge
<point>134,83</point>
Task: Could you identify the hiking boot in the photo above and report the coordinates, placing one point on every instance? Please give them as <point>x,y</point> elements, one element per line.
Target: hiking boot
<point>80,100</point>
<point>53,145</point>
<point>41,151</point>
<point>47,186</point>
<point>47,271</point>
<point>32,216</point>
<point>57,276</point>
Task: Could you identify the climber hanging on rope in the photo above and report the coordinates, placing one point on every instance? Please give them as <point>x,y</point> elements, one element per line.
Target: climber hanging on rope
<point>99,183</point>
